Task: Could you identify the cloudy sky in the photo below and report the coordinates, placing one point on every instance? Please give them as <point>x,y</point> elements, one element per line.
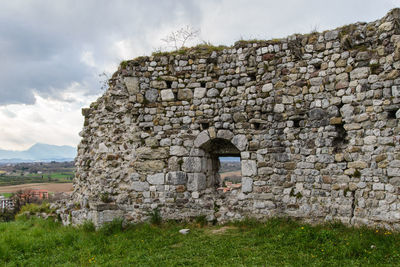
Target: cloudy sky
<point>52,51</point>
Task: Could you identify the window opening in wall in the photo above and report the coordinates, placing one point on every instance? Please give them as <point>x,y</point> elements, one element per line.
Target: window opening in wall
<point>223,167</point>
<point>230,173</point>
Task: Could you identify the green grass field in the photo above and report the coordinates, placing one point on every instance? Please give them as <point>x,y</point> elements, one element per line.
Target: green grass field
<point>277,242</point>
<point>6,194</point>
<point>56,177</point>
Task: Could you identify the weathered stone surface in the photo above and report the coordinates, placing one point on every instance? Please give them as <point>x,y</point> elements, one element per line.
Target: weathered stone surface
<point>249,167</point>
<point>132,85</point>
<point>157,178</point>
<point>357,165</point>
<point>196,182</point>
<point>167,95</point>
<point>148,165</point>
<point>140,186</point>
<point>359,73</point>
<point>240,141</point>
<point>317,114</point>
<point>199,92</point>
<point>247,185</point>
<point>152,153</point>
<point>151,95</point>
<point>178,151</point>
<point>103,148</point>
<point>177,178</point>
<point>225,134</point>
<point>158,84</point>
<point>201,139</point>
<point>278,108</point>
<point>191,164</point>
<point>212,92</point>
<point>185,94</point>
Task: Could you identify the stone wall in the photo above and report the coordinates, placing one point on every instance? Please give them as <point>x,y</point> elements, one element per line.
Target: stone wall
<point>314,119</point>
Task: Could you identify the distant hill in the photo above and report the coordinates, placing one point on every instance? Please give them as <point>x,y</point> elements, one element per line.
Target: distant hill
<point>39,152</point>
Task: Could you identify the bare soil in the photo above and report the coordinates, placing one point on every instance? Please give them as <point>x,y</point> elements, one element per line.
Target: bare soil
<point>51,187</point>
<point>226,174</point>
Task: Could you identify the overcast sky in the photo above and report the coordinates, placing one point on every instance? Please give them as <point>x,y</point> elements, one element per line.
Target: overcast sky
<point>52,51</point>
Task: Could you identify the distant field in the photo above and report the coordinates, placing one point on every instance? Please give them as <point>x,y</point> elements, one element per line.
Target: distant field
<point>227,174</point>
<point>56,177</point>
<point>51,187</point>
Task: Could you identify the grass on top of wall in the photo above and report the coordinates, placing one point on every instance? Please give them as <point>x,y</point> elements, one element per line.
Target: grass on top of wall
<point>277,242</point>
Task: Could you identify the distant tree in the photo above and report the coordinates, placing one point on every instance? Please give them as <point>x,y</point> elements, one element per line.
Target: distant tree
<point>178,39</point>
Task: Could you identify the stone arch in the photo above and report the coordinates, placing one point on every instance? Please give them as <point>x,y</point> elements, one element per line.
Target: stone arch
<point>211,145</point>
<point>213,149</point>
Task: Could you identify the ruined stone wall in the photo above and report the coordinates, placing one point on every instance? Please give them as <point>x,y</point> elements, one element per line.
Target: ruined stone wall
<point>314,119</point>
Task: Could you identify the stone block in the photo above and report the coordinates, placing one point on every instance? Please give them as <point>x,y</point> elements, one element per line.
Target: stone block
<point>357,165</point>
<point>331,35</point>
<point>395,181</point>
<point>394,164</point>
<point>192,164</point>
<point>185,94</point>
<point>158,84</point>
<point>177,178</point>
<point>178,151</point>
<point>335,120</point>
<point>342,179</point>
<point>199,92</point>
<point>140,186</point>
<point>359,73</point>
<point>157,178</point>
<point>148,165</point>
<point>317,114</point>
<point>132,85</point>
<point>103,148</point>
<point>279,108</point>
<point>247,185</point>
<point>151,95</point>
<point>107,216</point>
<point>370,140</point>
<point>167,95</point>
<point>249,167</point>
<point>212,92</point>
<point>225,134</point>
<point>201,139</point>
<point>196,182</point>
<point>240,141</point>
<point>152,153</point>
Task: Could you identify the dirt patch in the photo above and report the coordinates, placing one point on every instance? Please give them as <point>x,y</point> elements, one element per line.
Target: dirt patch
<point>51,187</point>
<point>226,174</point>
<point>222,230</point>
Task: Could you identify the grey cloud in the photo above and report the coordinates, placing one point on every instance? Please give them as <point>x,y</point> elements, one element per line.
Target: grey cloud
<point>9,113</point>
<point>41,41</point>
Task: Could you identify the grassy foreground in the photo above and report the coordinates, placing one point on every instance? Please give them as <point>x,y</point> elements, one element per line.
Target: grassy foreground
<point>277,242</point>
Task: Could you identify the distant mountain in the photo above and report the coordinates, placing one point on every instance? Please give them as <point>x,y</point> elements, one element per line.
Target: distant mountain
<point>39,152</point>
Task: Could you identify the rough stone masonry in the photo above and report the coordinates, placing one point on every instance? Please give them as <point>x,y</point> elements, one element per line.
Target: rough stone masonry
<point>313,118</point>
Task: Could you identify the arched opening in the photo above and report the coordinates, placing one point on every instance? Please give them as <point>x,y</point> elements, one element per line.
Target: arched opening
<point>223,169</point>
